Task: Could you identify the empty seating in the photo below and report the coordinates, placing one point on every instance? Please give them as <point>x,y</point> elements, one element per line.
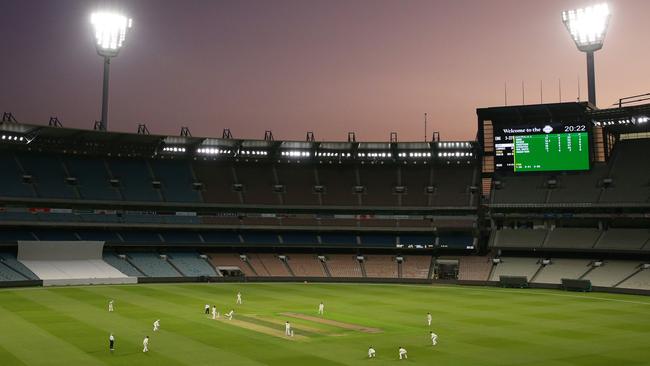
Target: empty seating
<point>455,240</point>
<point>416,266</point>
<point>519,238</point>
<point>306,265</point>
<point>176,180</point>
<point>572,238</point>
<point>299,238</point>
<point>452,186</point>
<point>136,182</point>
<point>180,237</point>
<point>298,181</point>
<point>152,265</point>
<point>220,237</point>
<point>630,173</point>
<point>380,266</point>
<point>121,265</point>
<point>623,239</point>
<point>260,237</point>
<point>562,268</point>
<point>378,182</point>
<point>218,180</point>
<point>93,180</point>
<point>11,178</point>
<point>339,182</point>
<point>417,239</point>
<point>338,239</point>
<point>48,176</point>
<point>578,187</point>
<point>273,265</point>
<point>343,265</point>
<point>378,240</point>
<point>611,272</point>
<point>512,266</point>
<point>416,178</point>
<point>258,181</point>
<point>230,260</point>
<point>257,264</point>
<point>191,264</point>
<point>640,280</point>
<point>474,268</point>
<point>520,189</point>
<point>10,261</point>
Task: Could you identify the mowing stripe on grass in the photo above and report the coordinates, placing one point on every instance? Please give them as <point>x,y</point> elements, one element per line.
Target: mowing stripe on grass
<point>262,329</point>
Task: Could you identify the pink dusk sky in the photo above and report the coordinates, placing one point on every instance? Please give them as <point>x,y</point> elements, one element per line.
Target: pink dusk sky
<point>293,66</point>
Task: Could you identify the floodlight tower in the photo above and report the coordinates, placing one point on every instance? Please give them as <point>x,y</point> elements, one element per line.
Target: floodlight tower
<point>588,27</point>
<point>110,33</point>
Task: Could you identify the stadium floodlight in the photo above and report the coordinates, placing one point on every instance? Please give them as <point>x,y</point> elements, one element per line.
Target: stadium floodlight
<point>588,27</point>
<point>110,34</point>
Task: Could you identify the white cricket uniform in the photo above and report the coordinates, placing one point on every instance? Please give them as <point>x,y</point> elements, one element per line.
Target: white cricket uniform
<point>110,306</point>
<point>402,354</point>
<point>321,309</point>
<point>434,339</point>
<point>287,328</point>
<point>214,312</point>
<point>229,314</point>
<point>429,319</point>
<point>156,325</point>
<point>371,352</point>
<point>145,345</point>
<point>239,298</point>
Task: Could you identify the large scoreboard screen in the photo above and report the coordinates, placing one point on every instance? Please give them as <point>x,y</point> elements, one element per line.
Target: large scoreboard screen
<point>550,147</point>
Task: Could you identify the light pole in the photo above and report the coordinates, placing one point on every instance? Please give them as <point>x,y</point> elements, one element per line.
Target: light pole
<point>110,33</point>
<point>588,27</point>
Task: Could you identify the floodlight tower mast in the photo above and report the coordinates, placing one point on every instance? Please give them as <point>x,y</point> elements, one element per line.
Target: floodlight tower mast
<point>588,27</point>
<point>110,33</point>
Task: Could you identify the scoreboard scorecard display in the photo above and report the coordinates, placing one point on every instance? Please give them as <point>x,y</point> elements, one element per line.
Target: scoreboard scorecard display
<point>551,147</point>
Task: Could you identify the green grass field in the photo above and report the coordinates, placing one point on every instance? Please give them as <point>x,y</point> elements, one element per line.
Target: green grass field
<point>476,326</point>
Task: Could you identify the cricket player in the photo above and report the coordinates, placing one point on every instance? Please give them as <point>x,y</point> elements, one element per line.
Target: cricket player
<point>239,302</point>
<point>111,342</point>
<point>402,353</point>
<point>110,306</point>
<point>207,309</point>
<point>145,344</point>
<point>229,314</point>
<point>321,308</point>
<point>156,325</point>
<point>371,352</point>
<point>429,319</point>
<point>214,312</point>
<point>434,339</point>
<point>287,328</point>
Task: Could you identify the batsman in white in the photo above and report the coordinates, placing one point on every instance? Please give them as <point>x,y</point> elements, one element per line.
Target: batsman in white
<point>371,352</point>
<point>402,353</point>
<point>214,312</point>
<point>287,328</point>
<point>229,314</point>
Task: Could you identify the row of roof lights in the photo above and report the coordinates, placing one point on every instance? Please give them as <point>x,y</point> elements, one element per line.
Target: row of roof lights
<point>456,154</point>
<point>375,155</point>
<point>13,138</point>
<point>173,149</point>
<point>296,153</point>
<point>212,151</point>
<point>254,152</point>
<point>451,145</point>
<point>334,154</point>
<point>623,121</point>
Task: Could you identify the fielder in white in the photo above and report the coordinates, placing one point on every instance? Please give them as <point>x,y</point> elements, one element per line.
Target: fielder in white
<point>229,314</point>
<point>402,353</point>
<point>156,325</point>
<point>214,312</point>
<point>239,302</point>
<point>429,319</point>
<point>371,352</point>
<point>434,339</point>
<point>287,329</point>
<point>321,308</point>
<point>145,344</point>
<point>110,306</point>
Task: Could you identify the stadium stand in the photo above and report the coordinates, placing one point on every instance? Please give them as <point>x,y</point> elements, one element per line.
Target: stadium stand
<point>519,238</point>
<point>416,266</point>
<point>339,183</point>
<point>152,265</point>
<point>135,179</point>
<point>48,176</point>
<point>228,261</point>
<point>378,183</point>
<point>520,189</point>
<point>623,239</point>
<point>306,265</point>
<point>630,175</point>
<point>10,262</point>
<point>474,268</point>
<point>258,181</point>
<point>218,182</point>
<point>380,266</point>
<point>578,187</point>
<point>257,265</point>
<point>298,182</point>
<point>562,268</point>
<point>93,178</point>
<point>640,280</point>
<point>12,178</point>
<point>514,266</point>
<point>343,265</point>
<point>273,265</point>
<point>65,272</point>
<point>191,264</point>
<point>452,186</point>
<point>611,272</point>
<point>572,238</point>
<point>175,180</point>
<point>121,264</point>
